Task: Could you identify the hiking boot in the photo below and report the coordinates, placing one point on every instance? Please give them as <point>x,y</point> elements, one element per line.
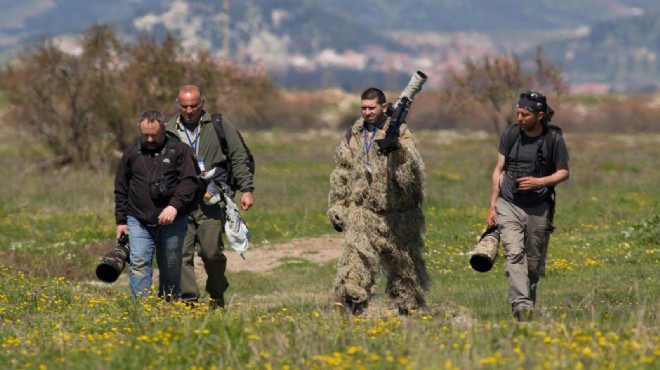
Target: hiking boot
<point>215,303</point>
<point>357,308</point>
<point>523,315</point>
<point>190,304</point>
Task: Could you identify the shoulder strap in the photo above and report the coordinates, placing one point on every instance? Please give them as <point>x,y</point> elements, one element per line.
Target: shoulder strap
<point>552,134</point>
<point>220,131</point>
<point>551,138</point>
<point>349,133</point>
<point>170,147</point>
<point>134,154</point>
<point>511,135</point>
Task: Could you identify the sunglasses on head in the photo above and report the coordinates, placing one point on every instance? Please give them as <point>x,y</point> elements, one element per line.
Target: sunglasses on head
<point>533,96</point>
<point>536,98</point>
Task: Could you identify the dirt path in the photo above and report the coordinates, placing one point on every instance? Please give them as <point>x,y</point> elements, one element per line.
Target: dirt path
<point>318,250</point>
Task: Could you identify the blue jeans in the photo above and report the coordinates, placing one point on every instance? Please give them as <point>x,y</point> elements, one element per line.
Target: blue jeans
<point>167,243</point>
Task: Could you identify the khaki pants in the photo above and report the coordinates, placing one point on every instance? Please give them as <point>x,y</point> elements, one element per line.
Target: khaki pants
<point>523,233</point>
<point>205,227</point>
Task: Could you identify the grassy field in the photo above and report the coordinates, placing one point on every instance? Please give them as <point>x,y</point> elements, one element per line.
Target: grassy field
<point>598,308</point>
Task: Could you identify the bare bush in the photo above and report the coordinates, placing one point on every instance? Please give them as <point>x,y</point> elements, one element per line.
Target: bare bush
<point>432,110</point>
<point>488,89</point>
<point>57,96</point>
<point>84,107</point>
<point>622,114</point>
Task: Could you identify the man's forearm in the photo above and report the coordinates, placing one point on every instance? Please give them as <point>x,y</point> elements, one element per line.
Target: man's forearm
<point>495,188</point>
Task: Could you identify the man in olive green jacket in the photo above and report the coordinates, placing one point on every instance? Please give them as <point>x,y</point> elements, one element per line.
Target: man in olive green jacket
<point>194,127</point>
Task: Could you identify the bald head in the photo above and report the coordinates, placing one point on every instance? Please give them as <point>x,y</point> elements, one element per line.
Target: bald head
<point>189,91</point>
<point>191,103</point>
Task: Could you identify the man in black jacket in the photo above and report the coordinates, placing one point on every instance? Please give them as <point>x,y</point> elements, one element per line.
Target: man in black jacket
<point>155,183</point>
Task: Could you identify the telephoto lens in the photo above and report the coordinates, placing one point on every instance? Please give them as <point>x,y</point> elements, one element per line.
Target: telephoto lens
<point>112,264</point>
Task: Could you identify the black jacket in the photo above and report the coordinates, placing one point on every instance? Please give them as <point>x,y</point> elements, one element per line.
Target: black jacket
<point>172,164</point>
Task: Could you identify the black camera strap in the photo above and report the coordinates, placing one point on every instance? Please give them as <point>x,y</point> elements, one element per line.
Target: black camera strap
<point>539,152</point>
<point>152,176</point>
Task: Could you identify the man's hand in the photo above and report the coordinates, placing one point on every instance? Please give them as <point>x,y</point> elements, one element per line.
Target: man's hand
<point>530,183</point>
<point>167,216</point>
<point>388,145</point>
<point>491,220</point>
<point>335,218</point>
<point>247,200</point>
<point>121,229</point>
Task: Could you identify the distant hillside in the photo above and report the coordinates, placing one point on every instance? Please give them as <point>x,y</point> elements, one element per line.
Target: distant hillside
<point>624,53</point>
<point>485,15</point>
<point>319,43</point>
<point>266,28</point>
<point>24,22</point>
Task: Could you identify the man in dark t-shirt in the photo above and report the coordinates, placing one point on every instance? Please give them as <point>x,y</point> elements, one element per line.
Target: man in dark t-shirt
<point>521,202</point>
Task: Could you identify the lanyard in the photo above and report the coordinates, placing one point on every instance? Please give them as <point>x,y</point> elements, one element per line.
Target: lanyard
<point>371,141</point>
<point>193,143</point>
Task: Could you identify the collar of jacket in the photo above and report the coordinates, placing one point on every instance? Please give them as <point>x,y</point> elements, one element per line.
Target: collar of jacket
<point>382,126</point>
<point>143,149</point>
<point>203,119</point>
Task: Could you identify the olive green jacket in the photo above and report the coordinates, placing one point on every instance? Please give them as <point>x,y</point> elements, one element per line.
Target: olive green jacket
<point>207,148</point>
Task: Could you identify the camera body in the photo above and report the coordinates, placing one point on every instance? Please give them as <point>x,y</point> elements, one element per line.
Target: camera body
<point>515,175</point>
<point>157,188</point>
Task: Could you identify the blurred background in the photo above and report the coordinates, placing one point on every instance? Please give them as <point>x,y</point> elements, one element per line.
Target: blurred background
<point>80,71</point>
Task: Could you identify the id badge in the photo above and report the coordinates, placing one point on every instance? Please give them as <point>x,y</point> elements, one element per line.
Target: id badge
<point>368,166</point>
<point>200,163</point>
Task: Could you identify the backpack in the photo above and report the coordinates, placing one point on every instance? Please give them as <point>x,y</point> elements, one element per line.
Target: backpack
<point>220,130</point>
<point>550,134</point>
<point>169,151</point>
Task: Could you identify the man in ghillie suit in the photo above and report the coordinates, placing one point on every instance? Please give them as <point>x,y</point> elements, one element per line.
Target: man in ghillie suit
<point>376,201</point>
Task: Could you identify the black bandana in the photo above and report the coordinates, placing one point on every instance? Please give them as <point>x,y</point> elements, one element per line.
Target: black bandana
<point>531,105</point>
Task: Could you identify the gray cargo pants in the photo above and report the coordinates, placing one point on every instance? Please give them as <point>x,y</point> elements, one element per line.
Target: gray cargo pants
<point>523,233</point>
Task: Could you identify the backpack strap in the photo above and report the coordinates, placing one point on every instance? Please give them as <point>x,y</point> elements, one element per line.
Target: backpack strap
<point>511,136</point>
<point>551,139</point>
<point>349,133</point>
<point>222,137</point>
<point>220,131</point>
<point>134,155</point>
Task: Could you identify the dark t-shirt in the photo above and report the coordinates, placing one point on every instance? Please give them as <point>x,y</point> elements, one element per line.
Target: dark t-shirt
<point>524,161</point>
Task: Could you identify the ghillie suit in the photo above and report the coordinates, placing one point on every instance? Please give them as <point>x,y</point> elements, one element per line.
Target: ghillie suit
<point>380,214</point>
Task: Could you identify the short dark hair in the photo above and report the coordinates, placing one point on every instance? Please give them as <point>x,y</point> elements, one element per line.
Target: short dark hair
<point>374,93</point>
<point>151,116</point>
